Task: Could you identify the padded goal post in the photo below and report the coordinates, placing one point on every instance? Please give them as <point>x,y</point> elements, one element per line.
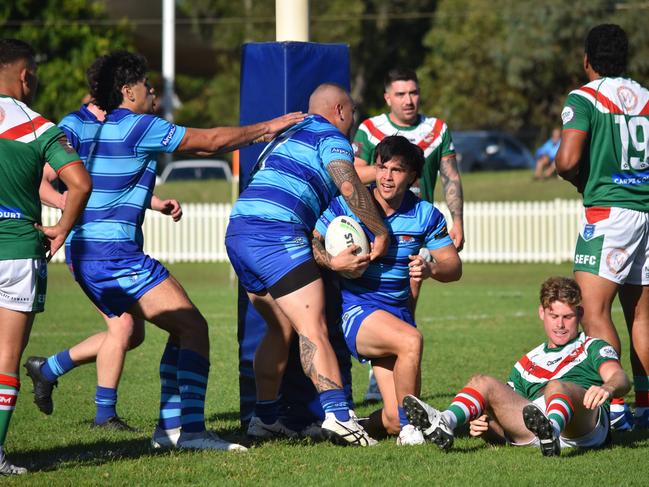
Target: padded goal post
<point>277,78</point>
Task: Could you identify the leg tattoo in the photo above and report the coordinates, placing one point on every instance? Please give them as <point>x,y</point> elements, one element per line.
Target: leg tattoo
<point>307,353</point>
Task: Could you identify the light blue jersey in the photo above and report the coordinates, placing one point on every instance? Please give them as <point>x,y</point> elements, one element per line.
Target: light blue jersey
<point>120,155</point>
<point>291,184</point>
<point>417,224</point>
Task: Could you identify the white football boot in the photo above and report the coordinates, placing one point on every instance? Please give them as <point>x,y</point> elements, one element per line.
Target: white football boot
<point>262,431</point>
<point>346,432</point>
<point>7,468</point>
<point>165,438</point>
<point>409,435</point>
<point>207,440</point>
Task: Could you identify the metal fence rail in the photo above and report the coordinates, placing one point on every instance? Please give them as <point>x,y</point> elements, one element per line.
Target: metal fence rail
<point>495,232</point>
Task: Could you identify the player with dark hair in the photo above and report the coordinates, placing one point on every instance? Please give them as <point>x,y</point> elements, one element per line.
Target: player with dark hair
<point>105,248</point>
<point>27,141</point>
<point>604,153</point>
<point>430,134</point>
<point>268,242</point>
<point>377,320</point>
<point>125,332</point>
<point>556,396</point>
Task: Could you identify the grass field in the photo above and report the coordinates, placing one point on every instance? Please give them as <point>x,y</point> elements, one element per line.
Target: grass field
<point>479,186</point>
<point>481,324</point>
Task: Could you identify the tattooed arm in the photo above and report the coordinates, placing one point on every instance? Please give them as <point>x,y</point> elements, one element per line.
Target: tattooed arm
<point>452,185</point>
<point>346,261</point>
<point>361,203</point>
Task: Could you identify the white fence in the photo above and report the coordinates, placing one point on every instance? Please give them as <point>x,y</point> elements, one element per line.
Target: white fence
<point>495,232</point>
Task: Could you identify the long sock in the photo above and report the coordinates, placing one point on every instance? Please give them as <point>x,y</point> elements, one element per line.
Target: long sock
<point>467,405</point>
<point>618,405</point>
<point>559,411</point>
<point>170,406</point>
<point>57,365</point>
<point>9,387</point>
<point>193,370</point>
<point>105,400</point>
<point>334,401</point>
<point>403,419</point>
<point>641,386</point>
<point>267,411</point>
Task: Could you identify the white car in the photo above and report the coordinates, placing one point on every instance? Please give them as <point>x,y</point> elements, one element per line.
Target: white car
<point>195,169</point>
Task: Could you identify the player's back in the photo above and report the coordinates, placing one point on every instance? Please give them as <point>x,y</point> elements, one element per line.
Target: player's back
<point>290,183</point>
<point>615,166</point>
<point>122,164</point>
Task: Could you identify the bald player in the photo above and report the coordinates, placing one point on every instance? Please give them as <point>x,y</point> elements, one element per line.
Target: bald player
<point>269,244</point>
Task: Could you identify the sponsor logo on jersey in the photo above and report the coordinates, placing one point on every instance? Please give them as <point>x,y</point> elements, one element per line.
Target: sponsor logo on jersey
<point>7,213</point>
<point>631,179</point>
<point>589,231</point>
<point>167,138</point>
<point>357,146</point>
<point>339,150</point>
<point>608,352</point>
<point>65,145</point>
<point>627,97</point>
<point>585,259</point>
<point>441,234</point>
<point>567,114</point>
<point>616,259</point>
<point>406,238</point>
<point>552,362</point>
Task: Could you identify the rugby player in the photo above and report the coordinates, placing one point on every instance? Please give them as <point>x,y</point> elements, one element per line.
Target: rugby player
<point>604,153</point>
<point>105,248</point>
<point>377,321</point>
<point>556,395</point>
<point>27,141</point>
<point>125,332</point>
<point>268,242</point>
<point>433,136</point>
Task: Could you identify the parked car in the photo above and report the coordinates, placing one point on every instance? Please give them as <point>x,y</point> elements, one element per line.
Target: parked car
<point>482,150</point>
<point>192,169</point>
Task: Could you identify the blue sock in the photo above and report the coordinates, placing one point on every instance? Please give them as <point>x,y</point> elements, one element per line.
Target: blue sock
<point>57,365</point>
<point>170,410</point>
<point>193,370</point>
<point>105,400</point>
<point>267,411</point>
<point>335,401</point>
<point>403,419</point>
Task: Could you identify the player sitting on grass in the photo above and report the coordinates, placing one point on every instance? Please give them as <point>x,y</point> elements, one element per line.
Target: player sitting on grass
<point>377,322</point>
<point>557,395</point>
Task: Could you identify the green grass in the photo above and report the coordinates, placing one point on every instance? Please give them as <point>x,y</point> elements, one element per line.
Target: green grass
<point>481,324</point>
<point>479,186</point>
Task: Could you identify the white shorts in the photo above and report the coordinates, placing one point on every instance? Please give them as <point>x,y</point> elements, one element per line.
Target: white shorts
<point>23,283</point>
<point>613,243</point>
<point>595,438</point>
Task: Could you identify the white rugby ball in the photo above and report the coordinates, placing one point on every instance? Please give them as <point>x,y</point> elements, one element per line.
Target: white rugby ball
<point>344,232</point>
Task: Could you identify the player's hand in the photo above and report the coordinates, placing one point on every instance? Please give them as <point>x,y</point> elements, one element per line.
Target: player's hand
<point>596,396</point>
<point>278,124</point>
<point>457,235</point>
<point>351,265</point>
<point>171,208</point>
<point>54,239</point>
<point>418,268</point>
<point>479,426</point>
<point>380,246</point>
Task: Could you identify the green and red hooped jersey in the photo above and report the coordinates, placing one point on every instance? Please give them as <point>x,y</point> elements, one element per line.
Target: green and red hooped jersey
<point>577,361</point>
<point>614,168</point>
<point>430,134</point>
<point>27,142</point>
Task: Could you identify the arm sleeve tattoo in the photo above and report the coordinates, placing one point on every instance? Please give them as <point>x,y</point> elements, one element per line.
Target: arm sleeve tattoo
<point>452,186</point>
<point>320,254</point>
<point>356,196</point>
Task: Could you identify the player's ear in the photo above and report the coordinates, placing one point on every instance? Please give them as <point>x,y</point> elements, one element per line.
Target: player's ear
<point>541,312</point>
<point>127,93</point>
<point>387,99</point>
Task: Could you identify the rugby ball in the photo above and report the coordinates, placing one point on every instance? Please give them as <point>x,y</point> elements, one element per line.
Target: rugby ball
<point>344,232</point>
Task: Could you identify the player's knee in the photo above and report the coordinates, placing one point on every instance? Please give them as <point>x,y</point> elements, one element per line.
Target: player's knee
<point>480,381</point>
<point>412,343</point>
<point>555,387</point>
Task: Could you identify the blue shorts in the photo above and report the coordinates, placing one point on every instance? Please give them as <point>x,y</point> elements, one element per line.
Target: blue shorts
<point>262,259</point>
<point>354,315</point>
<point>115,285</point>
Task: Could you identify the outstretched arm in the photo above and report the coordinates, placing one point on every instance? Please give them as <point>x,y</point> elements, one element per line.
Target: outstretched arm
<point>361,203</point>
<point>223,139</point>
<point>452,185</point>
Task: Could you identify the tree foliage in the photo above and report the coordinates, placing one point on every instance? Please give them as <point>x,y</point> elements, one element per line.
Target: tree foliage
<point>67,35</point>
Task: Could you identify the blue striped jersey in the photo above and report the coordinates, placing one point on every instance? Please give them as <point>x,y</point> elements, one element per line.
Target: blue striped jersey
<point>416,224</point>
<point>120,155</point>
<point>290,183</point>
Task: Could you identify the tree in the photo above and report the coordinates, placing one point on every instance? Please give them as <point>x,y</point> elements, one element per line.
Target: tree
<point>67,35</point>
